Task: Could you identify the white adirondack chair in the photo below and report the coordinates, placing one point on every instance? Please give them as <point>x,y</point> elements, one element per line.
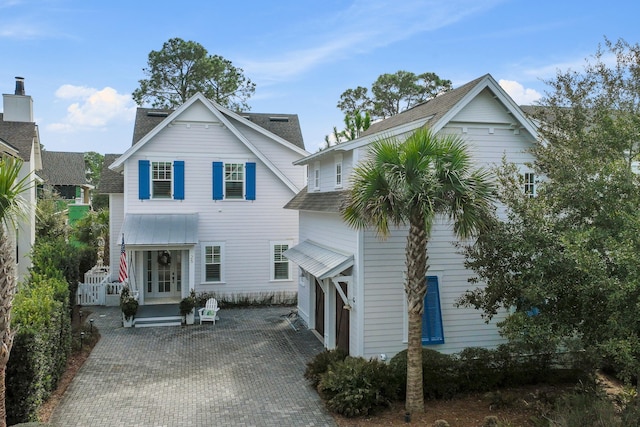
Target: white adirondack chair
<point>209,312</point>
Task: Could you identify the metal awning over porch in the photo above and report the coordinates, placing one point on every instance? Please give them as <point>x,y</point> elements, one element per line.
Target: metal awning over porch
<point>160,229</point>
<point>321,261</point>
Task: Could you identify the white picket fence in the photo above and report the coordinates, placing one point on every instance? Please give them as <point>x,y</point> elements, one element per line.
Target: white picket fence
<point>96,289</point>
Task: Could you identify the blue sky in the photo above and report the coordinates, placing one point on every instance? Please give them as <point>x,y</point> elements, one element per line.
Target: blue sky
<point>82,59</point>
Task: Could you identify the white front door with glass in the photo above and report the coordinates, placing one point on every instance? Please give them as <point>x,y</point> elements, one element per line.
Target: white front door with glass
<point>163,275</point>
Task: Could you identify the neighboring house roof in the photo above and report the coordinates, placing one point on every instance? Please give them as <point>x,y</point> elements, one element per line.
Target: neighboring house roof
<point>63,168</point>
<point>286,126</point>
<point>19,135</point>
<point>110,181</point>
<point>327,201</point>
<point>225,116</point>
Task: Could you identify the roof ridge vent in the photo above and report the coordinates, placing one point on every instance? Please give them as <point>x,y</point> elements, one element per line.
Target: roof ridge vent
<point>279,119</point>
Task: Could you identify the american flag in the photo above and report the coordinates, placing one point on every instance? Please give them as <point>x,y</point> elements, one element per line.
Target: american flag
<point>123,263</point>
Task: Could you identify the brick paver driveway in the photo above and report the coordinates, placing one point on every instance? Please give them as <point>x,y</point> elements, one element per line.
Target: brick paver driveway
<point>247,370</point>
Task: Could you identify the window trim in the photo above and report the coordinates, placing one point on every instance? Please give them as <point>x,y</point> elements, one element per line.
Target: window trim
<point>316,176</point>
<point>272,260</point>
<point>153,180</point>
<point>530,183</point>
<point>203,267</point>
<point>338,170</point>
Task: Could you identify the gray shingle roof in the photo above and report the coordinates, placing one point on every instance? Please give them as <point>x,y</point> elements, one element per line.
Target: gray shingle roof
<point>110,181</point>
<point>63,168</point>
<point>326,201</point>
<point>436,107</point>
<point>20,135</point>
<point>286,126</point>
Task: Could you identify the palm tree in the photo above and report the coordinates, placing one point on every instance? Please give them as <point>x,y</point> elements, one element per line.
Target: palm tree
<point>12,207</point>
<point>411,183</point>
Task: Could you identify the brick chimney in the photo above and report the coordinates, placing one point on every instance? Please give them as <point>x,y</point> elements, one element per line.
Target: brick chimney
<point>18,107</point>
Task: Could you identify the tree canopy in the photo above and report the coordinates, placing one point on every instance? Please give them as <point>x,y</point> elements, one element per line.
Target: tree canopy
<point>566,259</point>
<point>182,68</point>
<point>393,93</point>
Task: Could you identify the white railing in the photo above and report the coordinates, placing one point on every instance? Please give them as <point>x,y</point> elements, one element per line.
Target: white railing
<point>96,289</point>
<point>96,275</point>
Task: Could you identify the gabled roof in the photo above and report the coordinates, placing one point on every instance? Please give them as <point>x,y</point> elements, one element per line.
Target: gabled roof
<point>110,181</point>
<point>435,114</point>
<point>225,116</point>
<point>20,135</point>
<point>63,168</point>
<point>286,126</point>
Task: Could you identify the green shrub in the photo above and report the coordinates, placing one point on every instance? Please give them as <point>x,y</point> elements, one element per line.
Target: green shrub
<point>41,345</point>
<point>478,370</point>
<point>357,386</point>
<point>439,373</point>
<point>320,364</point>
<point>585,409</point>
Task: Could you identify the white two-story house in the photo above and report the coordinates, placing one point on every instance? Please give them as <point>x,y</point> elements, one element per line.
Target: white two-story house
<point>350,287</point>
<point>198,199</point>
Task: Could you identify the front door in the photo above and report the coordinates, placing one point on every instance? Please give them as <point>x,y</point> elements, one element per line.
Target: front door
<point>342,320</point>
<point>319,309</point>
<point>163,275</point>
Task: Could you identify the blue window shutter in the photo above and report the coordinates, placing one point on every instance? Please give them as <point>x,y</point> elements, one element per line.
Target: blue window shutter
<point>178,180</point>
<point>218,180</point>
<point>250,181</point>
<point>432,332</point>
<point>144,179</point>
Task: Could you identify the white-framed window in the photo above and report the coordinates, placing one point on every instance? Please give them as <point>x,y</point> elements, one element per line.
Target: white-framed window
<point>234,180</point>
<point>529,184</point>
<point>280,266</point>
<point>316,176</point>
<point>161,179</point>
<point>338,170</point>
<point>213,262</point>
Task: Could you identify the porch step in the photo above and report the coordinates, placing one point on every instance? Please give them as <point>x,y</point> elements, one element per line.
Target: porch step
<point>147,322</point>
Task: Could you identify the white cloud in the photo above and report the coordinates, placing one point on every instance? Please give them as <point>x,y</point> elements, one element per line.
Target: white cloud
<point>93,109</point>
<point>520,94</point>
<point>358,29</point>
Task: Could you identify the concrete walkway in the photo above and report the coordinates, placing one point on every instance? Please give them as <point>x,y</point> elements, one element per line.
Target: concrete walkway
<point>247,370</point>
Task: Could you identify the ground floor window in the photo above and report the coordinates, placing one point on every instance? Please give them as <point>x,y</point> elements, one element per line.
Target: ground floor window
<point>280,269</point>
<point>212,265</point>
<point>432,331</point>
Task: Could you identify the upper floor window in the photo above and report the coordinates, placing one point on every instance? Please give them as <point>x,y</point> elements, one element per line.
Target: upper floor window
<point>234,181</point>
<point>316,176</point>
<point>338,170</point>
<point>161,178</point>
<point>529,185</point>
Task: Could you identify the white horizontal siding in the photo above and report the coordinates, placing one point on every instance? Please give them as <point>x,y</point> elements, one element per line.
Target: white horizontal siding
<point>246,227</point>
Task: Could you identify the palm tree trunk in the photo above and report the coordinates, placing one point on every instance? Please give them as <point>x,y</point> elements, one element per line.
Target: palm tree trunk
<point>416,288</point>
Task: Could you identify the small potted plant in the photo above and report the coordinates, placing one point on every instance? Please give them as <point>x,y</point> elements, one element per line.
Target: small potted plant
<point>188,306</point>
<point>129,307</point>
